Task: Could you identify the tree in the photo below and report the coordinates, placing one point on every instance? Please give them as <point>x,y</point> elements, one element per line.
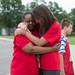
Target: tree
<point>11,13</point>
<point>72,16</point>
<point>58,11</point>
<point>33,4</point>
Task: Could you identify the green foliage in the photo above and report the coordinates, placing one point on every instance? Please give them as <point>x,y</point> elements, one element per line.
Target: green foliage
<point>72,15</point>
<point>58,11</point>
<point>72,39</point>
<point>11,11</point>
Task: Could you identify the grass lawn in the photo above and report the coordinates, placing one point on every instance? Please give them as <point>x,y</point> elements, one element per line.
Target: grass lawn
<point>71,38</point>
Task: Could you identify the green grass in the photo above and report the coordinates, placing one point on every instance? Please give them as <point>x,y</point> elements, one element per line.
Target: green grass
<point>72,39</point>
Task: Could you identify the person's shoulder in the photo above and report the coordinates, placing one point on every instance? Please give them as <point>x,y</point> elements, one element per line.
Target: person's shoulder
<point>20,36</point>
<point>56,25</point>
<point>63,38</point>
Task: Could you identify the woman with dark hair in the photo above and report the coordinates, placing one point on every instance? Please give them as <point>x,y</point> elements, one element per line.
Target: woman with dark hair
<point>50,33</point>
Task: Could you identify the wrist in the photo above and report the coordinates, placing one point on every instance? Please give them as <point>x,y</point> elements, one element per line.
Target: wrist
<point>26,32</point>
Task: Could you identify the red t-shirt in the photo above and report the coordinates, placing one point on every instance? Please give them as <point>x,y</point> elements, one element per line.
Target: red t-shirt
<point>51,61</point>
<point>68,64</point>
<point>23,63</point>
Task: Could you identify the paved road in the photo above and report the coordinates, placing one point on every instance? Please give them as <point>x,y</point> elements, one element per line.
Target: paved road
<point>5,56</point>
<point>6,50</point>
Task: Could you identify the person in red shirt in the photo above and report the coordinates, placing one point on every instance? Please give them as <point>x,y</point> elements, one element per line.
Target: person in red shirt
<point>50,33</point>
<point>67,26</point>
<point>24,58</point>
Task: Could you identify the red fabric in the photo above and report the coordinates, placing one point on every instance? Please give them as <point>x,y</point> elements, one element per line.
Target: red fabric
<point>50,61</point>
<point>23,63</point>
<point>68,64</point>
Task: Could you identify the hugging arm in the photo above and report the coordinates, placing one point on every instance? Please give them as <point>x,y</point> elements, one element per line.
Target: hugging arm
<point>24,44</point>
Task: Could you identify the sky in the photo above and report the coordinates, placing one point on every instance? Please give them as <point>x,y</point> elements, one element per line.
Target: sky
<point>65,4</point>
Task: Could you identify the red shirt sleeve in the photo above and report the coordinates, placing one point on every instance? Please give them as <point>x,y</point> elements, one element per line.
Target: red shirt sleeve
<point>21,40</point>
<point>53,34</point>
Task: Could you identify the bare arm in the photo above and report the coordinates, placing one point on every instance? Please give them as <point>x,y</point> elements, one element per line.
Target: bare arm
<point>38,41</point>
<point>62,72</point>
<point>30,48</point>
